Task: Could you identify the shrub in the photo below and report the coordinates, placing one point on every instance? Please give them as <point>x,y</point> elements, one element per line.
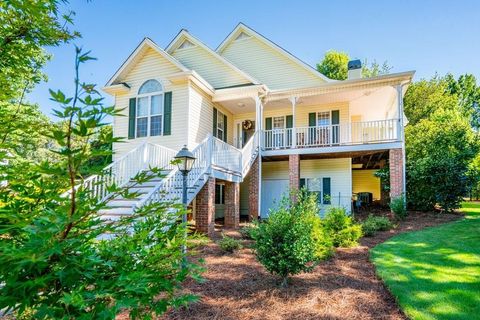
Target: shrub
<point>340,228</point>
<point>397,205</point>
<point>248,231</point>
<point>373,224</point>
<point>229,244</point>
<point>292,240</point>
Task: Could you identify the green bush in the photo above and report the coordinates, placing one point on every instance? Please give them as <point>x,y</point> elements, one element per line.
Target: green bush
<point>248,231</point>
<point>229,244</point>
<point>373,224</point>
<point>292,240</point>
<point>397,205</point>
<point>340,228</point>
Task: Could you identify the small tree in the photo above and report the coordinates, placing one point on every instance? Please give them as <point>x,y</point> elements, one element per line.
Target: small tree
<point>341,228</point>
<point>53,260</point>
<point>291,241</point>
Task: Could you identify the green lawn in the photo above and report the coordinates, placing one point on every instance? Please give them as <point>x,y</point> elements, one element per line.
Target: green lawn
<point>435,272</point>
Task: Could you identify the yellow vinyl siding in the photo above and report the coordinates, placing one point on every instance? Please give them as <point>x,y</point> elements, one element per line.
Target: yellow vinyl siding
<point>268,66</point>
<point>338,170</point>
<point>152,66</point>
<point>201,117</point>
<point>209,67</point>
<point>365,181</point>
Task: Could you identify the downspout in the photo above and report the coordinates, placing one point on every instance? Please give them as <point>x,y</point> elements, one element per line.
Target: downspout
<point>402,137</point>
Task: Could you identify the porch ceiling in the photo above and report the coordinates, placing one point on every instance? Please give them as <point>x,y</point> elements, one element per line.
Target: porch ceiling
<point>370,159</point>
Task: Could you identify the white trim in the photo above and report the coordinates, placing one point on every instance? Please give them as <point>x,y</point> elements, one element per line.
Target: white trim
<point>249,31</point>
<point>334,149</point>
<point>184,34</point>
<point>149,113</point>
<point>146,42</point>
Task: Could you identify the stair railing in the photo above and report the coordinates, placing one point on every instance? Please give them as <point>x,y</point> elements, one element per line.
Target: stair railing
<point>249,153</point>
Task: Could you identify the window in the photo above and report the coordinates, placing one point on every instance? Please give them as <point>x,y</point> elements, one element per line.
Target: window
<point>149,109</point>
<point>220,125</point>
<point>279,122</point>
<point>219,194</point>
<point>323,118</point>
<point>321,187</point>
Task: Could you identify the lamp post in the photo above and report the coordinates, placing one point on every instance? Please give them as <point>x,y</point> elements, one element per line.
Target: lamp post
<point>185,160</point>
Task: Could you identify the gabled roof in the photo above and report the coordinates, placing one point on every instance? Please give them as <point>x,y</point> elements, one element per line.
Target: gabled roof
<point>241,27</point>
<point>145,44</point>
<point>185,35</point>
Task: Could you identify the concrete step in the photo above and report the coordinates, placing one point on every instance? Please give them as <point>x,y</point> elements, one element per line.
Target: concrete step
<point>122,203</point>
<point>119,211</point>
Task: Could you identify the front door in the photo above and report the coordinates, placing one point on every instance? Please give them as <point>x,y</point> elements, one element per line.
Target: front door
<point>242,135</point>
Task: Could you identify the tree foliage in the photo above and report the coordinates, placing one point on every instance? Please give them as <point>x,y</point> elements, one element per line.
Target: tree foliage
<point>56,262</point>
<point>334,65</point>
<point>26,28</point>
<point>439,150</point>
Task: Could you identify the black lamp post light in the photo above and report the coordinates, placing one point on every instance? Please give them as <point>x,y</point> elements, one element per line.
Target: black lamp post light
<point>185,160</point>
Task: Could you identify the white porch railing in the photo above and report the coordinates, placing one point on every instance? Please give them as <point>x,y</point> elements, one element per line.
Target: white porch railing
<point>226,156</point>
<point>339,134</point>
<point>126,167</point>
<point>249,153</point>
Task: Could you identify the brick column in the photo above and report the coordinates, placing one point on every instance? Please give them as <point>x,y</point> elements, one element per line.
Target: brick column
<point>232,204</point>
<point>253,209</point>
<point>294,171</point>
<point>396,172</point>
<point>205,208</point>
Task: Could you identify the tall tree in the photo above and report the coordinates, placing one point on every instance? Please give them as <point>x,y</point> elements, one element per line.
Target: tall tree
<point>26,28</point>
<point>468,93</point>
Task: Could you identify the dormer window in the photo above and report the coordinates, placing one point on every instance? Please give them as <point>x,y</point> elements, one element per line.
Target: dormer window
<point>186,44</point>
<point>149,109</point>
<point>242,36</point>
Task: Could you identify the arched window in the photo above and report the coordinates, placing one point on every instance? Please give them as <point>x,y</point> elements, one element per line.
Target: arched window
<point>149,109</point>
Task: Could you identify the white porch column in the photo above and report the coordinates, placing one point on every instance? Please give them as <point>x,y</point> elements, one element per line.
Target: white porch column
<point>259,131</point>
<point>293,100</point>
<point>401,136</point>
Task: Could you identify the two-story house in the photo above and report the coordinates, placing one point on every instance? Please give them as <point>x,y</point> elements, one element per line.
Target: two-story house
<point>259,121</point>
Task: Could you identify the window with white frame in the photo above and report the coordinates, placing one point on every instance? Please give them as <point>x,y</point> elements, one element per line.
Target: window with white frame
<point>323,118</point>
<point>279,122</point>
<point>220,125</point>
<point>149,118</point>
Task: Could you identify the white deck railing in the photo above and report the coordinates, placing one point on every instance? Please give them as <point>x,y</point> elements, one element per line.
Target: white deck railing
<point>331,135</point>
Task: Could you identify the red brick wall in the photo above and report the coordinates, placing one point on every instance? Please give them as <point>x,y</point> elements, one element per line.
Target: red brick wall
<point>294,171</point>
<point>232,204</point>
<point>253,191</point>
<point>396,172</point>
<point>205,208</point>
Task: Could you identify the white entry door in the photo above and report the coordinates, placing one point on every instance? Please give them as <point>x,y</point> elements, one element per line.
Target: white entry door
<point>238,134</point>
<point>278,132</point>
<point>272,192</point>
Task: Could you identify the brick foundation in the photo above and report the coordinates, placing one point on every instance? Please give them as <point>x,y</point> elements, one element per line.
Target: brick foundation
<point>253,209</point>
<point>205,208</point>
<point>232,204</point>
<point>396,172</point>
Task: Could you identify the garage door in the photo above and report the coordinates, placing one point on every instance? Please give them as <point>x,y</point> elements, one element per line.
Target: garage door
<point>272,192</point>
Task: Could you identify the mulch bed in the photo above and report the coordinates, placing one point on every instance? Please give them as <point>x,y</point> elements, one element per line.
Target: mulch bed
<point>345,287</point>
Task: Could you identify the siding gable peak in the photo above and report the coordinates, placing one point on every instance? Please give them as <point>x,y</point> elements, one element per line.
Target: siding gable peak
<point>136,56</point>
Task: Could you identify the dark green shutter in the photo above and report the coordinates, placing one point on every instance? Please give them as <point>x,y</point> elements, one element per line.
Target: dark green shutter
<point>302,183</point>
<point>167,114</point>
<point>225,126</point>
<point>312,119</point>
<point>326,191</point>
<point>289,121</point>
<point>335,129</point>
<point>268,123</point>
<point>214,122</point>
<point>132,112</point>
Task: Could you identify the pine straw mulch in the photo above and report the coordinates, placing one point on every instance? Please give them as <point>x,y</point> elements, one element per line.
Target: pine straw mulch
<point>345,287</point>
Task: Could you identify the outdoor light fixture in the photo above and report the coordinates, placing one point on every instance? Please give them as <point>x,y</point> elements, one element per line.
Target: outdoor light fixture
<point>185,160</point>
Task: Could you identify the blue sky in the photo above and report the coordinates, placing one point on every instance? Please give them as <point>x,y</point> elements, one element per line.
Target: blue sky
<point>426,36</point>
